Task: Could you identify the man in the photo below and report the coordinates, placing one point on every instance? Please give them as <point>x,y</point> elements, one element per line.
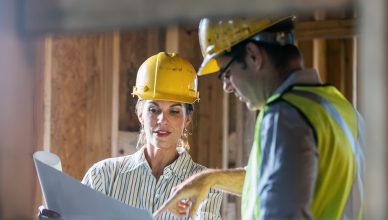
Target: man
<point>306,160</point>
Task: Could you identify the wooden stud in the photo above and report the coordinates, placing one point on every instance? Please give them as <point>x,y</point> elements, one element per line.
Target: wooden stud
<point>319,51</point>
<point>39,110</point>
<point>326,29</point>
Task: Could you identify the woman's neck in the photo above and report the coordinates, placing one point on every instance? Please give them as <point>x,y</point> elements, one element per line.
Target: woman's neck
<point>158,158</point>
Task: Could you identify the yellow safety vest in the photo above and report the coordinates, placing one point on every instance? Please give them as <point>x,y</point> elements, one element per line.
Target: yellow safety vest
<point>335,122</point>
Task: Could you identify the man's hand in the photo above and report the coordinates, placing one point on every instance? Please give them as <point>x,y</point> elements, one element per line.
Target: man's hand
<point>194,190</point>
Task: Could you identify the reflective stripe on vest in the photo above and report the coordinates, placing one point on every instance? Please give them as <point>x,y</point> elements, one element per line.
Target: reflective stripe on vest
<point>338,188</point>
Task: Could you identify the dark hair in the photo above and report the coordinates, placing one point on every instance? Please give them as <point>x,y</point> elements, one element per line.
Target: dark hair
<point>279,55</point>
<point>189,108</point>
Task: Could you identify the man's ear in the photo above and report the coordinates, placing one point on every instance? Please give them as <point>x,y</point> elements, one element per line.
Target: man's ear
<point>254,55</point>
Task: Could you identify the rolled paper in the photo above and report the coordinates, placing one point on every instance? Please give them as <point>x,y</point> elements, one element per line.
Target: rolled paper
<point>49,159</point>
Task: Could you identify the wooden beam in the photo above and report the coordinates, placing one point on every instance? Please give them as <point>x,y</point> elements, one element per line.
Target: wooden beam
<point>43,16</point>
<point>39,111</point>
<point>325,29</point>
<point>115,92</point>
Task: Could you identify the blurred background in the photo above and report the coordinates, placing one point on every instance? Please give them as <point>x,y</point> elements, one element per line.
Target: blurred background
<point>67,69</point>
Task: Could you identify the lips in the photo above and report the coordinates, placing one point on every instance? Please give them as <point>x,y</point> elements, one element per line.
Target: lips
<point>162,133</point>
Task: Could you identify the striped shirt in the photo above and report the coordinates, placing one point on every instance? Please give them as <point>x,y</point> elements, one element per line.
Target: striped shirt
<point>129,179</point>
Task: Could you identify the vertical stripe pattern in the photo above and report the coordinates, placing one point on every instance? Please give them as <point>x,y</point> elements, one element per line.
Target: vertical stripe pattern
<point>129,179</point>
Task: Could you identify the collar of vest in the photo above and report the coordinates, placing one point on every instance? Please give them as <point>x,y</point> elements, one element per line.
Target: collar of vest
<point>278,95</point>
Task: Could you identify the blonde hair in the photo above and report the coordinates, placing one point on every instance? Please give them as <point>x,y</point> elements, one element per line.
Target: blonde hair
<point>183,142</point>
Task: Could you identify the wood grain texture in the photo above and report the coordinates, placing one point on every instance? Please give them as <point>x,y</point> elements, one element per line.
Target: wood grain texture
<point>307,50</point>
<point>326,29</point>
<point>81,101</point>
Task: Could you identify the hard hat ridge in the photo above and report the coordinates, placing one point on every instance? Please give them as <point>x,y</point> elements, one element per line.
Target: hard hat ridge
<point>167,77</point>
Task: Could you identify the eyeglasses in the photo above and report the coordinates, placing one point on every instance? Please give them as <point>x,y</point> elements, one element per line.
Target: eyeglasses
<point>223,73</point>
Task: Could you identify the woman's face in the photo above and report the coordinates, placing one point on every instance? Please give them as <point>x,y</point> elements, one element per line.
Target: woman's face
<point>163,122</point>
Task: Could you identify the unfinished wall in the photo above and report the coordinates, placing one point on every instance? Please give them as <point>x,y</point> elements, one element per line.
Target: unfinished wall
<point>84,93</point>
<point>80,71</point>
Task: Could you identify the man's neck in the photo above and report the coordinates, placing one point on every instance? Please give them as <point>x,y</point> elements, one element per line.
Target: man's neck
<point>280,76</point>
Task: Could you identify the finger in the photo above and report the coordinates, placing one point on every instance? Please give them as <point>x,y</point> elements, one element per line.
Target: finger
<point>171,202</point>
<point>183,213</point>
<point>185,201</point>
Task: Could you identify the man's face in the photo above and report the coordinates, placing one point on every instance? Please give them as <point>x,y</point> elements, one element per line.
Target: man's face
<point>240,79</point>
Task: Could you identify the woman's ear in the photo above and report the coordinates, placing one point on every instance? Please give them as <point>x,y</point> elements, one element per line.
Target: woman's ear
<point>188,120</point>
<point>254,55</point>
<point>140,117</point>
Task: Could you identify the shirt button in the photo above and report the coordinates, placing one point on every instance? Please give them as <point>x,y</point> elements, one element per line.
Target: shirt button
<point>157,195</point>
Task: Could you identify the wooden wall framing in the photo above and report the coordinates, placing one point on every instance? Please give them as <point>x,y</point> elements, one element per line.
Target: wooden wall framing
<point>81,74</point>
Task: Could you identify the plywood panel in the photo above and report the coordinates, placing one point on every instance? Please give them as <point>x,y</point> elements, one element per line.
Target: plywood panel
<point>81,101</point>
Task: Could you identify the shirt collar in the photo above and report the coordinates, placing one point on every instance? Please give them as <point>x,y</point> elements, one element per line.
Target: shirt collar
<point>179,167</point>
<point>305,76</point>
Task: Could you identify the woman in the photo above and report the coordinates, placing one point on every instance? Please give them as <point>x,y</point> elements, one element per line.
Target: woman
<point>166,86</point>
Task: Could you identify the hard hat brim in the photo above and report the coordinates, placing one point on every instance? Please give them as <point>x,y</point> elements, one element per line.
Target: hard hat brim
<point>209,65</point>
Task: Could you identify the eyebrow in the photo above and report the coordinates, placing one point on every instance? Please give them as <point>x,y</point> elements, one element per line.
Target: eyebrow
<point>173,105</point>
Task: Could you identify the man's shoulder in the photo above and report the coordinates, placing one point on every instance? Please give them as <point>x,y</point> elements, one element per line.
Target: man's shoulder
<point>281,115</point>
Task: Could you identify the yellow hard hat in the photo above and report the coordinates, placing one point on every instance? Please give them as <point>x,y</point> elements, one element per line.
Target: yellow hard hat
<point>167,77</point>
<point>219,36</point>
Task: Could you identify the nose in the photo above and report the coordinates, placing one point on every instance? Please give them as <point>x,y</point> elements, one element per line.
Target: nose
<point>227,86</point>
<point>162,118</point>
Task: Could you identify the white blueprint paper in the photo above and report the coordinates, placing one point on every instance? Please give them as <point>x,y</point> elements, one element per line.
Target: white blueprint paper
<point>75,201</point>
